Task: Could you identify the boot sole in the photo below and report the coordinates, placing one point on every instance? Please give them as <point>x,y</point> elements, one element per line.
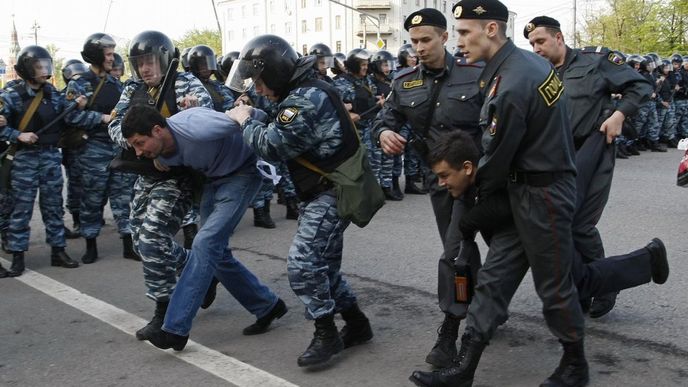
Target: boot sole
<point>309,363</point>
<point>663,264</point>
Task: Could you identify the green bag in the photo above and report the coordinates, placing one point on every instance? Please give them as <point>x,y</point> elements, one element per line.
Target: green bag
<point>359,196</point>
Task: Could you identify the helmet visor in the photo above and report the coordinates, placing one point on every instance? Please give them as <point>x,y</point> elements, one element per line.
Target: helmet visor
<point>147,68</point>
<point>325,62</point>
<point>243,73</point>
<point>74,69</point>
<point>203,63</point>
<point>43,67</point>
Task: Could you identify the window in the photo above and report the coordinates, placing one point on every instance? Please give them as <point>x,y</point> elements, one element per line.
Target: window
<point>417,3</point>
<point>243,11</point>
<point>338,46</point>
<point>304,49</point>
<point>338,22</point>
<point>303,4</point>
<point>434,3</point>
<point>256,31</point>
<point>360,44</point>
<point>230,35</point>
<point>243,33</point>
<point>230,14</point>
<point>287,27</point>
<point>318,3</point>
<point>273,29</point>
<point>304,26</point>
<point>444,6</point>
<point>255,9</point>
<point>383,19</point>
<point>318,24</point>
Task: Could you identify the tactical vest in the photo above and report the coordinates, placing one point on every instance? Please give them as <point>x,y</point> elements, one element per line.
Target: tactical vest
<point>364,99</point>
<point>104,102</point>
<point>308,183</point>
<point>218,99</point>
<point>43,115</point>
<point>140,96</point>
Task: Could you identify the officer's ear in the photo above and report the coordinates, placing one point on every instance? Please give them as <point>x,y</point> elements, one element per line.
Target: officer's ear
<point>468,168</point>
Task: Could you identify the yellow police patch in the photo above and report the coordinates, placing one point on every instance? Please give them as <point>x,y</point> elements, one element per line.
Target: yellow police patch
<point>287,115</point>
<point>615,58</point>
<point>551,89</point>
<point>457,12</point>
<point>492,129</point>
<point>416,19</point>
<point>70,95</point>
<point>412,84</point>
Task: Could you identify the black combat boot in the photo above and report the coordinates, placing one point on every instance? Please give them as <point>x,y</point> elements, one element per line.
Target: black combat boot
<point>59,257</point>
<point>444,351</point>
<point>632,150</point>
<point>17,267</point>
<point>326,343</point>
<point>640,145</point>
<point>395,187</point>
<point>3,272</point>
<point>658,261</point>
<point>76,231</point>
<point>190,231</point>
<point>3,239</point>
<point>621,152</point>
<point>261,218</point>
<point>91,253</point>
<point>411,187</point>
<point>603,304</point>
<point>292,208</point>
<point>357,329</point>
<point>462,369</point>
<point>391,195</point>
<point>210,294</point>
<point>166,340</point>
<point>128,248</point>
<point>573,368</point>
<point>155,323</point>
<point>656,146</point>
<point>262,324</point>
<point>673,143</point>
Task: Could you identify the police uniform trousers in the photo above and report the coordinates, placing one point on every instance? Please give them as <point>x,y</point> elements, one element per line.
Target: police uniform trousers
<point>540,240</point>
<point>6,207</point>
<point>315,258</point>
<point>100,184</point>
<point>75,188</point>
<point>264,193</point>
<point>156,215</point>
<point>286,184</point>
<point>36,168</point>
<point>412,163</point>
<point>595,169</point>
<point>645,122</point>
<point>665,116</point>
<point>681,117</point>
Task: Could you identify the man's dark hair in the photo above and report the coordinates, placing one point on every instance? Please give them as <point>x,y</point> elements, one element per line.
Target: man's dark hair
<point>141,119</point>
<point>455,148</point>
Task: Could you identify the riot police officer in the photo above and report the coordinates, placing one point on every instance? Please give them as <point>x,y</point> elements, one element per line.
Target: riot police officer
<point>680,77</point>
<point>29,106</point>
<point>117,68</point>
<point>439,95</point>
<point>202,64</point>
<point>325,60</point>
<point>161,199</point>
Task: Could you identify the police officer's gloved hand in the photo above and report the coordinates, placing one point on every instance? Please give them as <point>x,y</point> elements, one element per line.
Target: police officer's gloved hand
<point>468,253</point>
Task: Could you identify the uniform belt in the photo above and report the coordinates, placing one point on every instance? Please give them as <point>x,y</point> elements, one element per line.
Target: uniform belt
<point>535,179</point>
<point>38,146</point>
<point>314,192</point>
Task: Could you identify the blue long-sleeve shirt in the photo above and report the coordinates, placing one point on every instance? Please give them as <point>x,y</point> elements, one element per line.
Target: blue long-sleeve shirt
<point>209,142</point>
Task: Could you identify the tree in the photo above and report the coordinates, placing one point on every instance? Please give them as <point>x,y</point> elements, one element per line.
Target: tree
<point>211,38</point>
<point>58,82</point>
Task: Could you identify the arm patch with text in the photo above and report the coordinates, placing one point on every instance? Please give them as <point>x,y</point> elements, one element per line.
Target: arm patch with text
<point>551,89</point>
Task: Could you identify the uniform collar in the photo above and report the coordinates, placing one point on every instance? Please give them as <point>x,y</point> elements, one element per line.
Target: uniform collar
<point>493,64</point>
<point>568,59</point>
<point>448,65</point>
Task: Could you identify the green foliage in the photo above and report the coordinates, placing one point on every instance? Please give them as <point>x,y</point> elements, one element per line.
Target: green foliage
<point>58,63</point>
<point>211,38</point>
<point>637,26</point>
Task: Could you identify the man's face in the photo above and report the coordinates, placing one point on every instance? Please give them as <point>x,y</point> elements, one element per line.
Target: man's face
<point>42,69</point>
<point>385,68</point>
<point>265,91</point>
<point>457,181</point>
<point>473,40</point>
<point>429,44</point>
<point>322,66</point>
<point>149,147</point>
<point>546,45</point>
<point>412,61</point>
<point>109,54</point>
<point>117,72</point>
<point>363,70</point>
<point>149,70</point>
<point>685,65</point>
<point>676,65</point>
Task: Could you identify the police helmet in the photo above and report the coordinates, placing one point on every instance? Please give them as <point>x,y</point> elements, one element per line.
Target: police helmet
<point>685,59</point>
<point>268,57</point>
<point>656,59</point>
<point>405,51</point>
<point>378,61</point>
<point>354,59</point>
<point>200,58</point>
<point>34,61</point>
<point>118,63</point>
<point>72,68</point>
<point>228,61</point>
<point>94,46</point>
<point>184,58</point>
<point>323,52</point>
<point>665,65</point>
<point>151,45</point>
<point>676,58</point>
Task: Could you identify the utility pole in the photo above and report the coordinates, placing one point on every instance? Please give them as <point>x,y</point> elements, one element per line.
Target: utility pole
<point>107,16</point>
<point>575,34</point>
<point>35,27</point>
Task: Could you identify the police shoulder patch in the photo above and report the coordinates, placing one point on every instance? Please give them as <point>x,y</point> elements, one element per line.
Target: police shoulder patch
<point>70,95</point>
<point>412,84</point>
<point>551,89</point>
<point>616,58</point>
<point>286,116</point>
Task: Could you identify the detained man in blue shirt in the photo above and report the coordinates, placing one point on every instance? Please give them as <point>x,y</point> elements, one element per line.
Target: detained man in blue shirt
<point>211,143</point>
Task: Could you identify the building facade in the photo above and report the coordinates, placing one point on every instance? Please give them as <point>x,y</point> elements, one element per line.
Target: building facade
<point>341,24</point>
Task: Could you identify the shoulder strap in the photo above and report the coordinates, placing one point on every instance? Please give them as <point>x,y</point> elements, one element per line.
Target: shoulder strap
<point>310,165</point>
<point>28,114</point>
<point>95,93</point>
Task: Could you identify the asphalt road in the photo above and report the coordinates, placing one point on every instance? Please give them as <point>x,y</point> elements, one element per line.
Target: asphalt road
<point>50,337</point>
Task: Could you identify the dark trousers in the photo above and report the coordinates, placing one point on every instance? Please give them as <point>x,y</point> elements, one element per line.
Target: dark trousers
<point>595,165</point>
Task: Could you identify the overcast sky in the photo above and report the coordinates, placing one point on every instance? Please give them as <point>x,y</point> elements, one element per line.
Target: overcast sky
<point>66,23</point>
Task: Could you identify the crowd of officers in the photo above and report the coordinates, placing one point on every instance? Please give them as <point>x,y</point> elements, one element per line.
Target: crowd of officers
<point>402,109</point>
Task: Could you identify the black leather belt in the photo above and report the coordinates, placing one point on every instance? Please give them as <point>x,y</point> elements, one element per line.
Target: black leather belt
<point>535,179</point>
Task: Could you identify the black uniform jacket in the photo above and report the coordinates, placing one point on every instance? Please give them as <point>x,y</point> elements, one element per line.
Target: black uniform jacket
<point>526,127</point>
<point>457,105</point>
<point>590,76</point>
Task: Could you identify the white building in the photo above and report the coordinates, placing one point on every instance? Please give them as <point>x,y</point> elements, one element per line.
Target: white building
<point>341,24</point>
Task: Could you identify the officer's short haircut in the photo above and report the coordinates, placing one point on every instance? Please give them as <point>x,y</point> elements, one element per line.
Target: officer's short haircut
<point>500,25</point>
<point>455,148</point>
<point>140,120</point>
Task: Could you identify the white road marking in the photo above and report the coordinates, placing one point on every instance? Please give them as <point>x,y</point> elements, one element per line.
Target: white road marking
<point>207,359</point>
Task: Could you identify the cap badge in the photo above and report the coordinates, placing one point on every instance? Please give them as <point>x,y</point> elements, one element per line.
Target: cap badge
<point>530,27</point>
<point>417,19</point>
<point>479,10</point>
<point>457,12</point>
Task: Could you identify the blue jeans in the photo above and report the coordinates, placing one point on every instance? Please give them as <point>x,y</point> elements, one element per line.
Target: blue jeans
<point>222,207</point>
